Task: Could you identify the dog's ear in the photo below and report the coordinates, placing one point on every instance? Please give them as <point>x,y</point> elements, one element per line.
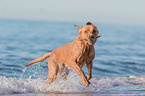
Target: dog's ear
<point>80,27</point>
<point>89,23</point>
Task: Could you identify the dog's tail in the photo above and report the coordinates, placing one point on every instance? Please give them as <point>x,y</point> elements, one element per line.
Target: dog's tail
<point>44,57</point>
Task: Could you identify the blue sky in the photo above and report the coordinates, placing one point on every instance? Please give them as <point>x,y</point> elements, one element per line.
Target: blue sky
<point>126,12</point>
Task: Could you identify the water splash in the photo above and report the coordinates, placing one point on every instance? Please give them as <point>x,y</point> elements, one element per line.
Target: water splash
<point>72,84</point>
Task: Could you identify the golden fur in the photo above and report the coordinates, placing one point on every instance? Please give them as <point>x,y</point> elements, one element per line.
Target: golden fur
<point>75,54</point>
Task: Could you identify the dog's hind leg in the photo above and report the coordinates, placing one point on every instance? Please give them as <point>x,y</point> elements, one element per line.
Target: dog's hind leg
<point>53,70</point>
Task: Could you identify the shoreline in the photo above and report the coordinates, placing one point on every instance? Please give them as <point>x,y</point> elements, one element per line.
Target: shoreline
<point>76,94</point>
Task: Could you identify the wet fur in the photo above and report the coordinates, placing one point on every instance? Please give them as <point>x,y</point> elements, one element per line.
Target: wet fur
<point>75,55</point>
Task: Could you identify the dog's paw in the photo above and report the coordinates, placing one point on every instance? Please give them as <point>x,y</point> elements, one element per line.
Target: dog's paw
<point>85,83</point>
<point>89,77</point>
<point>47,82</point>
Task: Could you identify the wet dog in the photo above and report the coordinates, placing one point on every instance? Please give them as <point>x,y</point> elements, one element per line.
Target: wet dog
<point>75,54</point>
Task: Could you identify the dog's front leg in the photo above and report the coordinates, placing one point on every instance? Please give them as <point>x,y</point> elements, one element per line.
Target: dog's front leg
<point>89,67</point>
<point>75,67</point>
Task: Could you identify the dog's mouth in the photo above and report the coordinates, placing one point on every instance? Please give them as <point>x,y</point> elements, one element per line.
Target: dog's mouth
<point>91,41</point>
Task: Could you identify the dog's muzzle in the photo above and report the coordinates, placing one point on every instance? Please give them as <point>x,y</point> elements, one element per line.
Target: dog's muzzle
<point>92,39</point>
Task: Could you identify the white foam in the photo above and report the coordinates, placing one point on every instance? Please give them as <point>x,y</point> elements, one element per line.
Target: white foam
<point>13,85</point>
<point>72,84</point>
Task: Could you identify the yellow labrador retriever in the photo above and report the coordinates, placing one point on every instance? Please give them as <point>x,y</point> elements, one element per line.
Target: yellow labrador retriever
<point>75,54</point>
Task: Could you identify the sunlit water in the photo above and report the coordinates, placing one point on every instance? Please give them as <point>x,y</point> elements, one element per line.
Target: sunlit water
<point>118,68</point>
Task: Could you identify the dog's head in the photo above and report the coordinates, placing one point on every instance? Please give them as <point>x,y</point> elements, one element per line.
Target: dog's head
<point>89,33</point>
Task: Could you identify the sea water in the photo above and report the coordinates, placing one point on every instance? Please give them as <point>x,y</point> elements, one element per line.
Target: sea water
<point>118,68</point>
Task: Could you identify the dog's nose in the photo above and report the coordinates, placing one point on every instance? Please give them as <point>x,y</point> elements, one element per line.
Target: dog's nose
<point>91,36</point>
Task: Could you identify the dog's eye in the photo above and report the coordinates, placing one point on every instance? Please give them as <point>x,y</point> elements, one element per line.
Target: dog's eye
<point>86,32</point>
<point>94,31</point>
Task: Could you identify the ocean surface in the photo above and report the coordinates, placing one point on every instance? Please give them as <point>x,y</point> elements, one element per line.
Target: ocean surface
<point>118,68</point>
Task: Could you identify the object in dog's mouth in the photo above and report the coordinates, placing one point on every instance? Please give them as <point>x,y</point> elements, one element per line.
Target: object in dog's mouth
<point>98,36</point>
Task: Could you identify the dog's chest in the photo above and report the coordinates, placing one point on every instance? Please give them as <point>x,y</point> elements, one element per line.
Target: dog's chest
<point>85,55</point>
